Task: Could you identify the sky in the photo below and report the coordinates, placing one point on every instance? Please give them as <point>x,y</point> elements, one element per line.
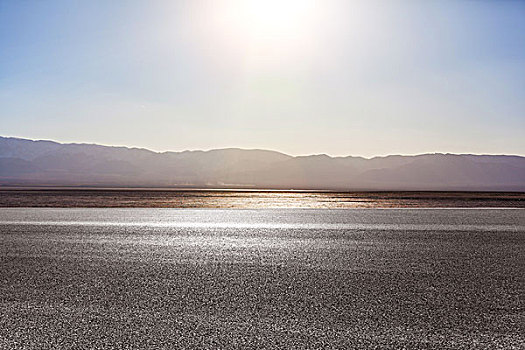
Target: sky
<point>361,78</point>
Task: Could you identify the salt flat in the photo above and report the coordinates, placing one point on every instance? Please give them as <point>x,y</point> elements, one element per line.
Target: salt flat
<point>262,279</point>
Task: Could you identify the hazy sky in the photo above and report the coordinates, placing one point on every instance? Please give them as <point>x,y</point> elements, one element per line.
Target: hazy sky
<point>302,76</point>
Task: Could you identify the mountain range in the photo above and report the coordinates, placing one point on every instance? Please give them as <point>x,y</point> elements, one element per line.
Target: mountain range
<point>26,162</point>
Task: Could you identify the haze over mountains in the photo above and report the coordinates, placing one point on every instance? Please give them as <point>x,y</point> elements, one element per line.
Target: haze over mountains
<point>45,163</point>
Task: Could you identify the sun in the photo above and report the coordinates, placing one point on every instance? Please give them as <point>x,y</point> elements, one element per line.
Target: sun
<point>264,34</point>
<point>268,22</point>
<point>265,19</point>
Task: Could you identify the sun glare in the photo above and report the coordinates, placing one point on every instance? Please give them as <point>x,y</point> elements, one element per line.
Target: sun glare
<point>269,25</point>
<point>264,19</point>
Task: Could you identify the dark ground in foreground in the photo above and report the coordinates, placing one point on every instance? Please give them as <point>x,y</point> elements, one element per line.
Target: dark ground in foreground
<point>262,279</point>
<point>143,198</point>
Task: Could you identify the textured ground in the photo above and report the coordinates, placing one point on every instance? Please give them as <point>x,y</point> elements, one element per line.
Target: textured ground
<point>262,279</point>
<point>144,198</point>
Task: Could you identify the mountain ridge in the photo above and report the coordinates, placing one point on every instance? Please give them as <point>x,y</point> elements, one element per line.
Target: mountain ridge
<point>25,162</point>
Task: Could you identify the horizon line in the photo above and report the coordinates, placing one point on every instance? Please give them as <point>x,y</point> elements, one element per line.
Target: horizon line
<point>259,149</point>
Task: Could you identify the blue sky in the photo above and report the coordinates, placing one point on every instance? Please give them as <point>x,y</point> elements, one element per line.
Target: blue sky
<point>302,77</point>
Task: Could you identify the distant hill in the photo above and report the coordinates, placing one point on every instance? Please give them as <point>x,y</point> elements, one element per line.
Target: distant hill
<point>34,163</point>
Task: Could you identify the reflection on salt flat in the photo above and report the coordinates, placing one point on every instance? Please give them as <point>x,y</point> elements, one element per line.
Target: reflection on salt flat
<point>98,198</point>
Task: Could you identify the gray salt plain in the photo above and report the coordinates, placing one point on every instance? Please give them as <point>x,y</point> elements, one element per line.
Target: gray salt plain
<point>262,279</point>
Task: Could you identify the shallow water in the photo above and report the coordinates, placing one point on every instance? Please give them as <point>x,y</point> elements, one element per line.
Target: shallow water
<point>289,278</point>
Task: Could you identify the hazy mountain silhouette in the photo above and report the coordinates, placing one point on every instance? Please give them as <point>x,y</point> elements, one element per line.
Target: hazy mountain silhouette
<point>32,163</point>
